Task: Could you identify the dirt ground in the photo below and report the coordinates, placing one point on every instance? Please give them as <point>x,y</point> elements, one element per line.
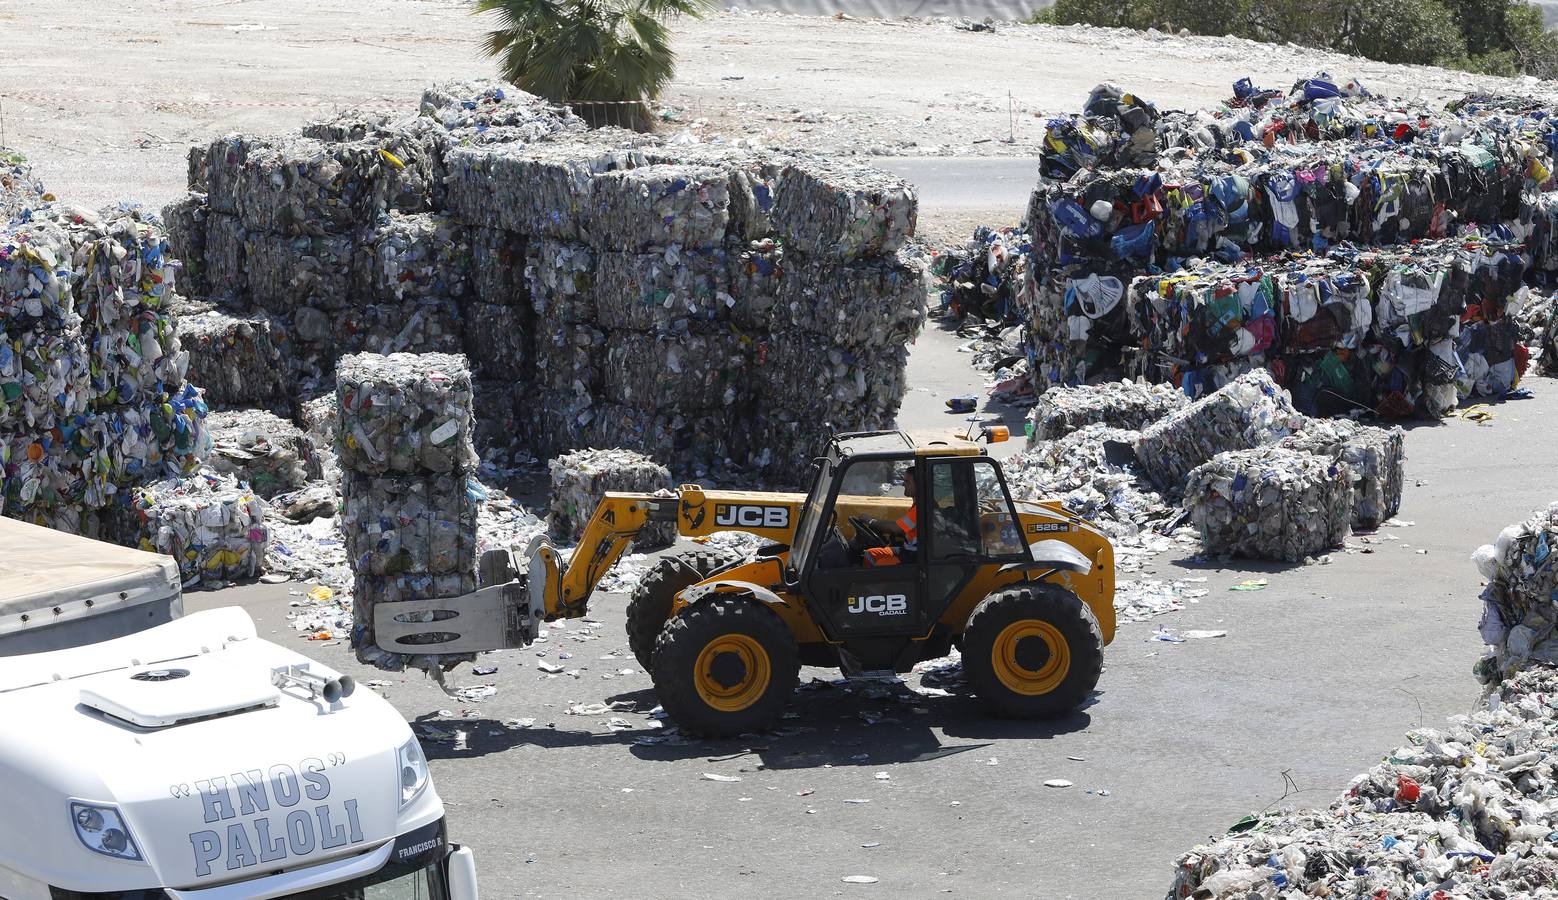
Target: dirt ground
<point>106,96</point>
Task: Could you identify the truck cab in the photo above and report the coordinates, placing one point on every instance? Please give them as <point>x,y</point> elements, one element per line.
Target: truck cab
<point>153,756</point>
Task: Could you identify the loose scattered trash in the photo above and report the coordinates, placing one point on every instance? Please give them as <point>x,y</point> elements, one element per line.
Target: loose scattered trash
<point>1057,783</point>
<point>712,776</point>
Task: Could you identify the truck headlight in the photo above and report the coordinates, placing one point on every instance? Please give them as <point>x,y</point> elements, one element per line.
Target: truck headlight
<point>413,771</point>
<point>101,829</point>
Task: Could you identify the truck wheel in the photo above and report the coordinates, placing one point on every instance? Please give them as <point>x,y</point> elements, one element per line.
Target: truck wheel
<point>1033,651</point>
<point>725,665</point>
<point>650,603</point>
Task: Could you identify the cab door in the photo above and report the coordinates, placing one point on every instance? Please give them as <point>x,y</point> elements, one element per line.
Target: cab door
<point>968,525</point>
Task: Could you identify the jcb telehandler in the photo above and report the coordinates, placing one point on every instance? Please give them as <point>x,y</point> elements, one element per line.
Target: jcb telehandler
<point>901,549</point>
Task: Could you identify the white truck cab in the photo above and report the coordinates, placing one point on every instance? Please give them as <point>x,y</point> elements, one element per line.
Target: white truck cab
<point>152,756</point>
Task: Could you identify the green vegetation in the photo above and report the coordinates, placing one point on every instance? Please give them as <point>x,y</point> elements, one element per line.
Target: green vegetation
<point>1494,37</point>
<point>591,54</point>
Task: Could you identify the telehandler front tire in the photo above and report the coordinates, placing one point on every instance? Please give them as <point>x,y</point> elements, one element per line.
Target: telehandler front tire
<point>650,603</point>
<point>1033,651</point>
<point>725,665</point>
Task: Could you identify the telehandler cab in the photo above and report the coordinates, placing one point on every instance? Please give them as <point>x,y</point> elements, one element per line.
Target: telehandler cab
<point>903,548</point>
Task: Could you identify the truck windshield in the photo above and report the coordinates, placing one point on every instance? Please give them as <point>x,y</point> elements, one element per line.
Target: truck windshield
<point>390,883</point>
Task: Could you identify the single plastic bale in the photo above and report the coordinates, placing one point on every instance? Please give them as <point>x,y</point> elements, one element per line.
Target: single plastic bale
<point>300,186</point>
<point>404,412</point>
<point>263,451</point>
<point>284,273</point>
<point>408,257</point>
<point>1118,404</point>
<point>185,220</point>
<point>658,206</point>
<point>211,525</point>
<point>690,373</point>
<point>877,302</point>
<point>1270,503</point>
<point>411,326</point>
<point>410,525</point>
<point>1250,411</point>
<point>1522,575</point>
<point>234,360</point>
<point>581,478</point>
<point>226,270</point>
<point>561,280</point>
<point>665,290</point>
<point>843,211</point>
<point>482,110</point>
<point>1375,457</point>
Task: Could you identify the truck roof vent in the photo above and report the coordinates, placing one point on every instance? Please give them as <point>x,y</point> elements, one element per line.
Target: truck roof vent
<point>160,675</point>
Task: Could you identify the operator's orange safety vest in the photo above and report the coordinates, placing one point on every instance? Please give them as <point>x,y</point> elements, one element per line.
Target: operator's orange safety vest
<point>909,524</point>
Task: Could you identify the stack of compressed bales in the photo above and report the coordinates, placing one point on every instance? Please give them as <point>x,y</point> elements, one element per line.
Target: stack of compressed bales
<point>1375,459</point>
<point>214,526</point>
<point>409,498</point>
<point>693,303</point>
<point>1270,503</point>
<point>93,398</point>
<point>1250,411</point>
<point>265,452</point>
<point>582,477</point>
<point>1118,404</point>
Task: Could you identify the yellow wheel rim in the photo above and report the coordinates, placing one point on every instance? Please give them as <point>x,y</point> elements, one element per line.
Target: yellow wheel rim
<point>732,672</point>
<point>1031,657</point>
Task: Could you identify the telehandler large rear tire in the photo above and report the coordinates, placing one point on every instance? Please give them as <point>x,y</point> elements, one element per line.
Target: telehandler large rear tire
<point>650,603</point>
<point>725,665</point>
<point>1033,651</point>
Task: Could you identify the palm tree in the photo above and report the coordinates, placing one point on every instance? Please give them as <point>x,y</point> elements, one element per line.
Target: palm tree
<point>583,52</point>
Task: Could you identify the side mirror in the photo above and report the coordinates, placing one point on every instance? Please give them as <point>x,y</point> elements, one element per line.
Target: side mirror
<point>462,875</point>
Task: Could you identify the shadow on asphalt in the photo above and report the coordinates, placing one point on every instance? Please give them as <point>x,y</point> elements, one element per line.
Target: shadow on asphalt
<point>872,724</point>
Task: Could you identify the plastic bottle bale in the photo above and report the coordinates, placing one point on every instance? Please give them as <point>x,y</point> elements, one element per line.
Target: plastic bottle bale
<point>408,257</point>
<point>404,413</point>
<point>689,372</point>
<point>196,166</point>
<point>211,525</point>
<point>123,266</point>
<point>471,109</point>
<point>369,591</point>
<point>665,290</point>
<point>694,440</point>
<point>569,360</point>
<point>843,211</point>
<point>1118,404</point>
<point>319,417</point>
<point>45,381</point>
<point>223,164</point>
<point>410,525</point>
<point>753,192</point>
<point>263,451</point>
<point>498,266</point>
<point>1250,411</point>
<point>757,281</point>
<point>1376,458</point>
<point>1270,503</point>
<point>411,148</point>
<point>412,326</point>
<point>233,360</point>
<point>561,280</point>
<point>541,190</point>
<point>852,389</point>
<point>300,186</point>
<point>285,273</point>
<point>657,206</point>
<point>226,272</point>
<point>865,303</point>
<point>581,478</point>
<point>185,220</point>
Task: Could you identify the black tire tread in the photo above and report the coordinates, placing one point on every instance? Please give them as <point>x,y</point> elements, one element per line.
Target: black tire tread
<point>1033,600</point>
<point>689,632</point>
<point>650,603</point>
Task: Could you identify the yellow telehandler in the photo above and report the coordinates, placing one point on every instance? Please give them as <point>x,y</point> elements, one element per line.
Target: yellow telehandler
<point>902,548</point>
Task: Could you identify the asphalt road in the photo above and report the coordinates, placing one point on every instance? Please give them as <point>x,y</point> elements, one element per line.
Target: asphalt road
<point>947,184</point>
<point>1318,675</point>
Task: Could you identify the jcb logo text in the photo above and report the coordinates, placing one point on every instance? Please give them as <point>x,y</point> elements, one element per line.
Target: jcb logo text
<point>881,604</point>
<point>752,516</point>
